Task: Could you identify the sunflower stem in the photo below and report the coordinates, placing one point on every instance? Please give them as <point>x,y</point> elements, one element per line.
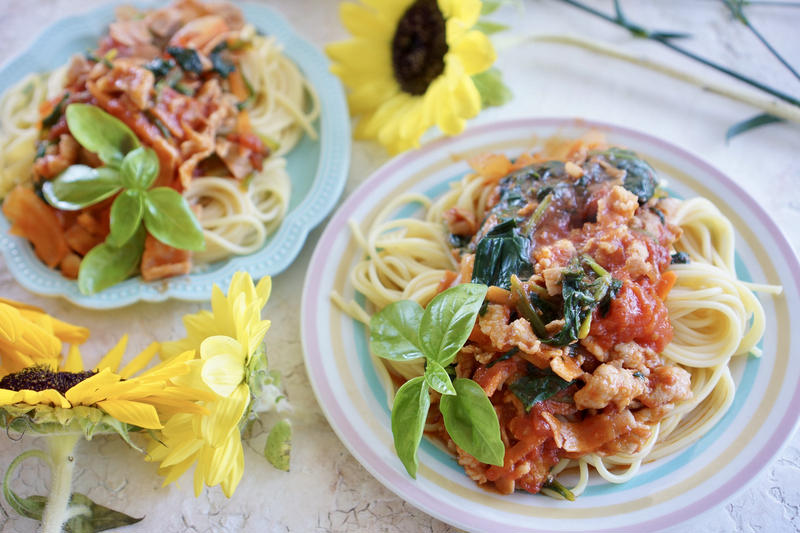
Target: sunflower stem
<point>665,39</point>
<point>769,105</point>
<point>56,513</point>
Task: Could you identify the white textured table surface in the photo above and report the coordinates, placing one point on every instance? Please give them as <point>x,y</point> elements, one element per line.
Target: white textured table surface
<point>327,490</point>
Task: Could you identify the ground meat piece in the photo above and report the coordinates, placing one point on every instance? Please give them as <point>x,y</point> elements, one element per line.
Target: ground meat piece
<point>636,263</point>
<point>609,384</point>
<point>460,221</point>
<point>667,384</point>
<point>618,206</point>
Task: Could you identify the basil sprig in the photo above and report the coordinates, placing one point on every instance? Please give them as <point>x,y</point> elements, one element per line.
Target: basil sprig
<point>130,171</point>
<point>403,331</point>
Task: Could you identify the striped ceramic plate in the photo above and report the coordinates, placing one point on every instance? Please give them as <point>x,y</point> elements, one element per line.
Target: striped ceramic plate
<point>666,491</point>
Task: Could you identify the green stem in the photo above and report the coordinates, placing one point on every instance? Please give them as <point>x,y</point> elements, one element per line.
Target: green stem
<point>63,463</point>
<point>737,10</point>
<point>691,55</point>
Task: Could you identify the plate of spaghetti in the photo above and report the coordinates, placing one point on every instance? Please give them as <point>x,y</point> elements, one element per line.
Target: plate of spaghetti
<point>148,153</point>
<point>555,325</point>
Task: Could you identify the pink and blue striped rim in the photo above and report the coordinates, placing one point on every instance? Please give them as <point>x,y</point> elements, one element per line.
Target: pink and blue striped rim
<point>405,486</point>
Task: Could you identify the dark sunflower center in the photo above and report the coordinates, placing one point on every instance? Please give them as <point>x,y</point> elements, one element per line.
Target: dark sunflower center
<point>419,46</point>
<point>39,378</point>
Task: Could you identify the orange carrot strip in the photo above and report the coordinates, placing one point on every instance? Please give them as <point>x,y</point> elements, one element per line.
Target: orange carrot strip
<point>666,283</point>
<point>238,88</point>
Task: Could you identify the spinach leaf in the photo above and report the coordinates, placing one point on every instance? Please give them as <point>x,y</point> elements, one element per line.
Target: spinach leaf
<point>409,411</point>
<point>448,320</point>
<point>101,133</point>
<point>471,421</point>
<point>169,219</point>
<point>538,385</point>
<point>438,379</point>
<point>188,59</point>
<point>139,168</point>
<point>679,258</point>
<point>126,215</point>
<point>160,67</point>
<point>106,264</point>
<point>640,178</point>
<point>501,253</point>
<point>221,65</point>
<point>51,119</point>
<point>80,186</point>
<point>503,357</point>
<point>394,331</point>
<point>583,291</point>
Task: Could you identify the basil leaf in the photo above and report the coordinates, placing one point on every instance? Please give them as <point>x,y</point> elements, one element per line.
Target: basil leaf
<point>438,379</point>
<point>410,409</point>
<point>501,253</point>
<point>126,215</point>
<point>538,385</point>
<point>169,219</point>
<point>448,320</point>
<point>106,264</point>
<point>101,133</point>
<point>186,58</point>
<point>80,186</point>
<point>471,421</point>
<point>139,168</point>
<point>393,331</point>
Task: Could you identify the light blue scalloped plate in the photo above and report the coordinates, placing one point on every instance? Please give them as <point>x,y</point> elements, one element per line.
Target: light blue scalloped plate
<point>318,170</point>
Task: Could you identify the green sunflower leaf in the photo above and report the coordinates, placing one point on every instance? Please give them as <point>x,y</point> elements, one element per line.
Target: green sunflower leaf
<point>751,123</point>
<point>488,27</point>
<point>279,445</point>
<point>491,88</point>
<point>92,517</point>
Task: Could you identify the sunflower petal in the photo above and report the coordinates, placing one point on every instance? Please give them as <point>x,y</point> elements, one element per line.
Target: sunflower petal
<point>263,290</point>
<point>475,51</point>
<point>224,461</point>
<point>9,323</point>
<point>74,362</point>
<point>235,473</point>
<point>465,11</point>
<point>225,416</point>
<point>69,333</point>
<point>130,412</point>
<point>174,473</point>
<point>84,392</point>
<point>140,361</point>
<point>363,22</point>
<point>223,373</point>
<point>112,359</point>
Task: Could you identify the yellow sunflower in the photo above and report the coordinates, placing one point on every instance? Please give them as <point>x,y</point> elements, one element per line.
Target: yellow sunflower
<point>231,366</point>
<point>410,66</point>
<point>40,393</point>
<point>36,384</point>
